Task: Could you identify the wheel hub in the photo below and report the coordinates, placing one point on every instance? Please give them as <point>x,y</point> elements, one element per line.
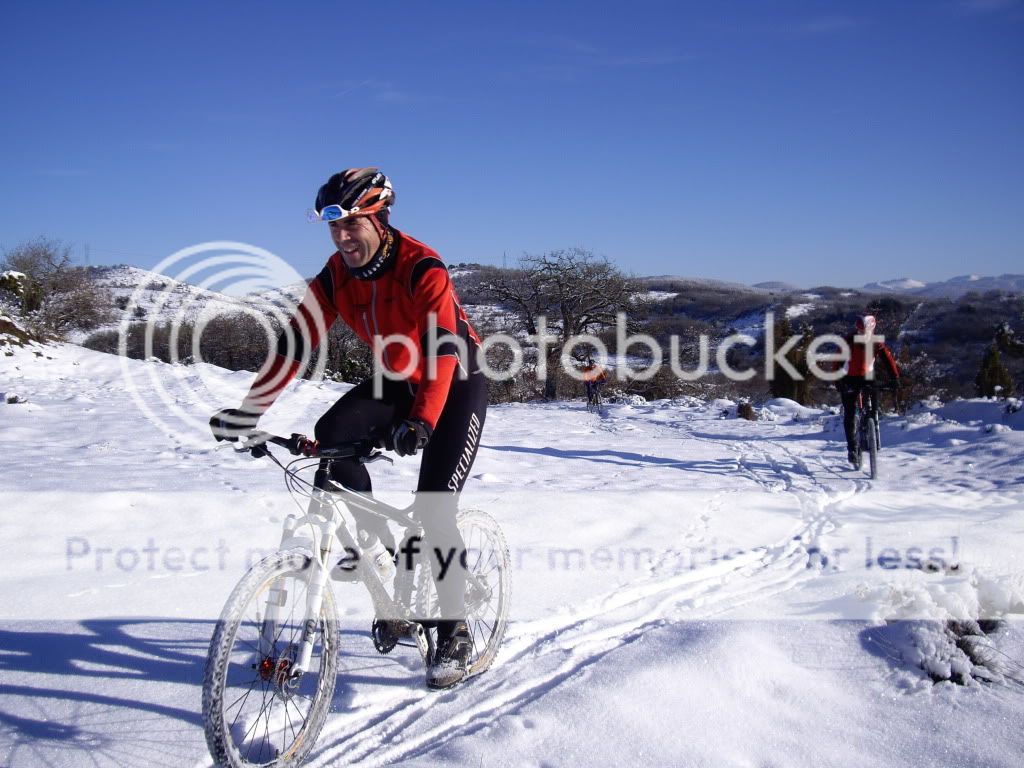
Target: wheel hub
<point>279,671</point>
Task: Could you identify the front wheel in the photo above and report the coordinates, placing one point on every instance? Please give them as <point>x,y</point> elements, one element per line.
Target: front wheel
<point>256,711</point>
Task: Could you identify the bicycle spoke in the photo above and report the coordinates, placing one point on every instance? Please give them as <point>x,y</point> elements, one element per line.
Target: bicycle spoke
<point>266,725</point>
<point>243,696</point>
<point>239,713</point>
<point>255,723</point>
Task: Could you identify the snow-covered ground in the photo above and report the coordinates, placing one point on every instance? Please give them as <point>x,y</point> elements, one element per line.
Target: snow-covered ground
<point>799,309</point>
<point>687,589</point>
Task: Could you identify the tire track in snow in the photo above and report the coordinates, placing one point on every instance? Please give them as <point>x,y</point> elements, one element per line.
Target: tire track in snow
<point>542,654</point>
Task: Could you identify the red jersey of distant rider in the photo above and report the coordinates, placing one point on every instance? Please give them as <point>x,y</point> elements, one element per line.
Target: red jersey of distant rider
<point>858,363</point>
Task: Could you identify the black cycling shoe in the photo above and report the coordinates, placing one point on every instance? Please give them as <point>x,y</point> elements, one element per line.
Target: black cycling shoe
<point>853,458</point>
<point>450,664</point>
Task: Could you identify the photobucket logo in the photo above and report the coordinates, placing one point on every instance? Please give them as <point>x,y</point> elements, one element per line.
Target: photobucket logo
<point>193,288</point>
<point>639,356</point>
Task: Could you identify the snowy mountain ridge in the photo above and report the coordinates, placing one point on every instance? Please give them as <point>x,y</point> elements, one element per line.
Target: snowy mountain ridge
<point>953,288</point>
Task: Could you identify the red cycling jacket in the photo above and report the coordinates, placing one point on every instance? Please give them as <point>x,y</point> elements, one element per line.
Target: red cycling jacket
<point>396,300</point>
<point>858,363</point>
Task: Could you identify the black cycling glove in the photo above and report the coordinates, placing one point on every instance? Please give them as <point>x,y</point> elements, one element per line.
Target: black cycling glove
<point>233,423</point>
<point>410,436</point>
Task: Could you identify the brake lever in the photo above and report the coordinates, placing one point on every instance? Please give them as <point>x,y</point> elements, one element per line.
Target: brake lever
<point>256,444</point>
<point>376,456</point>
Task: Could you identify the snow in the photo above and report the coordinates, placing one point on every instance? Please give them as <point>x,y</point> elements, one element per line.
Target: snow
<point>674,574</point>
<point>799,309</point>
<point>659,295</point>
<point>161,299</point>
<point>953,288</point>
<point>782,407</point>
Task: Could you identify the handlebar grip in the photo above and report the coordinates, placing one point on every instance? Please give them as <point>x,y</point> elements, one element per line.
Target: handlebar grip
<point>296,445</point>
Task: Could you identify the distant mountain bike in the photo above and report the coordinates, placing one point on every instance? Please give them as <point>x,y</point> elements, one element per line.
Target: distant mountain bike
<point>867,438</point>
<point>594,400</point>
<point>273,659</point>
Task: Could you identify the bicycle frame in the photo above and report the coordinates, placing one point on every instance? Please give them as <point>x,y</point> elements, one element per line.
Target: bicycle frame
<point>328,528</point>
<point>278,635</point>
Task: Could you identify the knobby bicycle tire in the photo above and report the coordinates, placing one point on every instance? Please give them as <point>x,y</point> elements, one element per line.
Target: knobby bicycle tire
<point>872,440</point>
<point>235,656</point>
<point>490,572</point>
<point>488,587</point>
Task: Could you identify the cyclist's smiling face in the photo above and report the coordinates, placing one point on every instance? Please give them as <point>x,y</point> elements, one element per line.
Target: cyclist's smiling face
<point>356,238</point>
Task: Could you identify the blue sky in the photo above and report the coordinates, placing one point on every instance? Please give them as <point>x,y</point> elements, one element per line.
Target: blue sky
<point>812,142</point>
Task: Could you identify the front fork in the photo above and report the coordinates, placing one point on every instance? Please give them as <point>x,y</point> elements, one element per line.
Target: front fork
<point>316,583</point>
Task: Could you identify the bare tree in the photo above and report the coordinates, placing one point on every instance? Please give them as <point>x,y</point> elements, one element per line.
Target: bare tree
<point>349,358</point>
<point>55,294</point>
<point>576,291</point>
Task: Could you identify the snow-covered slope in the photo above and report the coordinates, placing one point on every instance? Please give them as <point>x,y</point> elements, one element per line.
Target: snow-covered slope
<point>675,574</point>
<point>143,296</point>
<point>901,284</point>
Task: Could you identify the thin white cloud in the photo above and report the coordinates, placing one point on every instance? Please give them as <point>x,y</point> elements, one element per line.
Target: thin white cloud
<point>380,90</point>
<point>826,25</point>
<point>62,172</point>
<point>988,6</point>
<point>567,58</point>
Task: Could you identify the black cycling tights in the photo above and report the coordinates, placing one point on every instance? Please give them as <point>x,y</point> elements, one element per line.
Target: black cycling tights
<point>444,468</point>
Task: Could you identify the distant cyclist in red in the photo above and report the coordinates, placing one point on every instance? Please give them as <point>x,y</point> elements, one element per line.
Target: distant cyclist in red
<point>860,375</point>
<point>383,283</point>
<point>593,377</point>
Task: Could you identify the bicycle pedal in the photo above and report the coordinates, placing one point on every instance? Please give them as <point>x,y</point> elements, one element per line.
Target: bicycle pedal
<point>422,642</point>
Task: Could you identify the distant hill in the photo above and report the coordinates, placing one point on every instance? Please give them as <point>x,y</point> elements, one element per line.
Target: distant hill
<point>953,288</point>
<point>678,283</point>
<point>900,284</point>
<point>778,287</point>
<point>951,321</point>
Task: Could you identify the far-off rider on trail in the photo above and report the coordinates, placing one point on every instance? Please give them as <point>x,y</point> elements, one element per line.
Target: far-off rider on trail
<point>860,376</point>
<point>593,377</point>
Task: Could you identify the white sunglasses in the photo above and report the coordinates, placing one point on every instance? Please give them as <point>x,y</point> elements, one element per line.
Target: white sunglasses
<point>330,213</point>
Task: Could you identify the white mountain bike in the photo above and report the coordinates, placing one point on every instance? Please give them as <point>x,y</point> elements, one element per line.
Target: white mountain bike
<point>273,659</point>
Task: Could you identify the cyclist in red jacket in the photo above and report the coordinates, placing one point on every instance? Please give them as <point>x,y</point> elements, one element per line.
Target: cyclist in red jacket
<point>860,375</point>
<point>593,377</point>
<point>395,293</point>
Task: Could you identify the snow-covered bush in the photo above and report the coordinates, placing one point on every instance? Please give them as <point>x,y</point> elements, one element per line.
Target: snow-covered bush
<point>620,397</point>
<point>947,629</point>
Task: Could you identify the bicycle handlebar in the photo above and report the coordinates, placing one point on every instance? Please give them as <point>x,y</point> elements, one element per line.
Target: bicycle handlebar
<point>300,445</point>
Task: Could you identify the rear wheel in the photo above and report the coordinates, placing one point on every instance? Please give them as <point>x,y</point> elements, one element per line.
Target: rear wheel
<point>488,587</point>
<point>872,441</point>
<point>255,710</point>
